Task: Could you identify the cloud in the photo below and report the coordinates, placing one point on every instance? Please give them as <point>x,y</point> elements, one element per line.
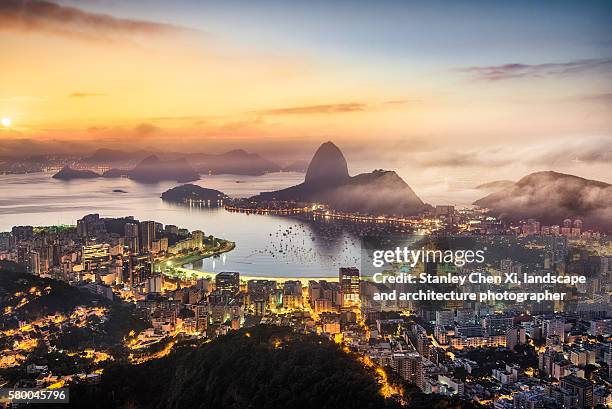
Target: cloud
<point>47,16</point>
<point>144,130</point>
<point>581,150</point>
<point>511,71</point>
<point>317,109</point>
<point>590,151</point>
<point>605,98</point>
<point>85,94</point>
<point>468,158</point>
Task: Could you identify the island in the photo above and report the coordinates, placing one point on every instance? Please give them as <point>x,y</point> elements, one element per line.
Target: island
<point>68,173</point>
<point>194,194</point>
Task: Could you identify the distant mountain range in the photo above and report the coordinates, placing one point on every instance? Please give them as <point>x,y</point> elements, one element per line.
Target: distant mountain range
<point>327,181</point>
<point>150,170</point>
<point>237,162</point>
<point>551,197</point>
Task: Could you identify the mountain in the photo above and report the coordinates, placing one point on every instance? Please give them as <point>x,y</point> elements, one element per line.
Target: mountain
<point>185,193</point>
<point>327,181</point>
<point>115,173</point>
<point>297,166</point>
<point>67,173</point>
<point>495,185</point>
<point>152,169</point>
<point>236,162</point>
<point>260,367</point>
<point>327,166</point>
<point>551,197</point>
<point>104,156</point>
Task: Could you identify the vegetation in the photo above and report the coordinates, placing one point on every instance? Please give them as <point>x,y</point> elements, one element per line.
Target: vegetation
<point>259,367</point>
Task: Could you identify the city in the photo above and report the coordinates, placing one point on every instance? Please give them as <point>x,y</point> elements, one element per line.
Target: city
<point>526,355</point>
<point>323,204</point>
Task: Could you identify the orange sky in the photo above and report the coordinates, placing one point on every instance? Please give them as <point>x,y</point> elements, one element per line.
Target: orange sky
<point>119,79</point>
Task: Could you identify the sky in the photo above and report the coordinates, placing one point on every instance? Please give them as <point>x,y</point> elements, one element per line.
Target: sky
<point>434,89</point>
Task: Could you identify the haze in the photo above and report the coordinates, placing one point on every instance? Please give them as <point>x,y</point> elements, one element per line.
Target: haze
<point>462,91</point>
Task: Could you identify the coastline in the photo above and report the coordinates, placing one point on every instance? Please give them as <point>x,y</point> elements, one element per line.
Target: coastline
<point>197,274</point>
<point>192,257</point>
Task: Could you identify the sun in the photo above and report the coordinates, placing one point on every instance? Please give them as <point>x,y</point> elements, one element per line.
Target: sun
<point>6,122</point>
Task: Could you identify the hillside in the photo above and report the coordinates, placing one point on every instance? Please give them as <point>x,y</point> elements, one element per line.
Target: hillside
<point>152,169</point>
<point>327,181</point>
<point>185,193</point>
<point>67,173</point>
<point>551,197</point>
<point>259,367</point>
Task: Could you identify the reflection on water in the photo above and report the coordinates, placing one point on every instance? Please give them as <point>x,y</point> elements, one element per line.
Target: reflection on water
<point>271,246</point>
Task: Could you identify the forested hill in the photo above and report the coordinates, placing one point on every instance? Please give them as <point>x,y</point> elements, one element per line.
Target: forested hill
<point>259,367</point>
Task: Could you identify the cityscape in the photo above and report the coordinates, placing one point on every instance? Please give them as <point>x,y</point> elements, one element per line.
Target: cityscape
<point>331,204</point>
<point>548,354</point>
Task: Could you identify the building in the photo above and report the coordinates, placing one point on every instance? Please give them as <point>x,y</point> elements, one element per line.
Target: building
<point>131,237</point>
<point>147,235</point>
<point>445,317</point>
<point>197,237</point>
<point>410,368</point>
<point>349,285</point>
<point>579,387</point>
<point>228,282</point>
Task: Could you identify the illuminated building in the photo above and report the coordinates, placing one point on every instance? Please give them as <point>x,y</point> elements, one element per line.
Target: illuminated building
<point>90,225</point>
<point>581,388</point>
<point>228,282</point>
<point>554,327</point>
<point>131,236</point>
<point>349,285</point>
<point>445,317</point>
<point>139,269</point>
<point>94,252</point>
<point>147,235</point>
<point>410,368</point>
<point>198,239</point>
<point>292,294</point>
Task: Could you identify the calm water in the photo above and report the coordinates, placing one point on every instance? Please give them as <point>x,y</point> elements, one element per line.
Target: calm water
<point>269,246</point>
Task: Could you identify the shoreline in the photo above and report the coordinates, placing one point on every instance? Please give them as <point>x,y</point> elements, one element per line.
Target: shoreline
<point>192,257</point>
<point>196,274</point>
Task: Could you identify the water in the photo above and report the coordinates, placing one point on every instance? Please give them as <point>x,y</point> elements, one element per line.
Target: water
<point>267,246</point>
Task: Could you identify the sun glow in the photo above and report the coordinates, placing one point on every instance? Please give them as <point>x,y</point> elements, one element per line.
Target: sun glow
<point>6,122</point>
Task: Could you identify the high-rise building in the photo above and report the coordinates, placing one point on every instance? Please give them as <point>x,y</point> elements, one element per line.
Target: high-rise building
<point>94,252</point>
<point>581,388</point>
<point>349,285</point>
<point>147,235</point>
<point>34,263</point>
<point>445,317</point>
<point>197,237</point>
<point>410,368</point>
<point>228,282</point>
<point>131,237</point>
<point>515,336</point>
<point>140,269</point>
<point>554,327</point>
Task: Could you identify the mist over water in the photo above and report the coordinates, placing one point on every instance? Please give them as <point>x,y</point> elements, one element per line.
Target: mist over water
<point>266,245</point>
